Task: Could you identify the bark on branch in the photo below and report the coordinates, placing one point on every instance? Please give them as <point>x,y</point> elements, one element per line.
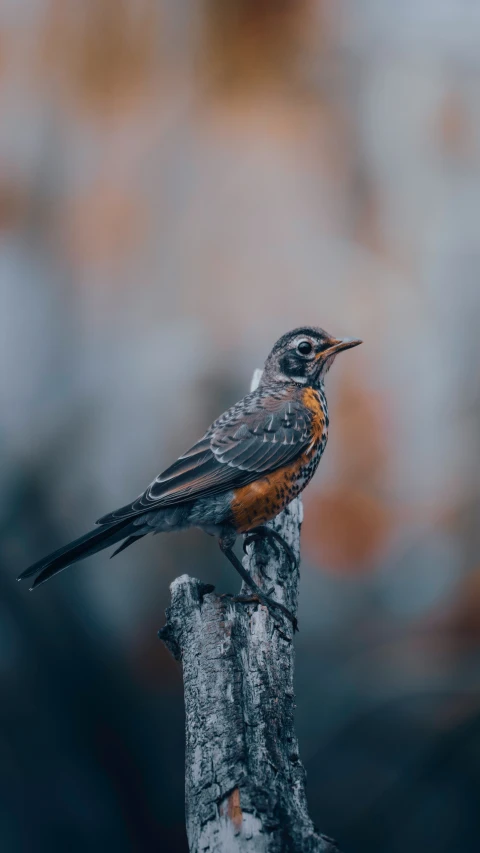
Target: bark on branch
<point>245,783</point>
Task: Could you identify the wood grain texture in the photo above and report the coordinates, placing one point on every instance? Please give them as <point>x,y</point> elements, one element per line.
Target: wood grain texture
<point>244,780</point>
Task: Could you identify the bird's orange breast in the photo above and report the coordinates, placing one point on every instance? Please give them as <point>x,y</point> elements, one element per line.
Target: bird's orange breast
<point>260,501</point>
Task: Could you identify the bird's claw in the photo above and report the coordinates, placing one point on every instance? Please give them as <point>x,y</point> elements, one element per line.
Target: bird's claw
<point>257,534</point>
<point>263,598</point>
<point>258,537</point>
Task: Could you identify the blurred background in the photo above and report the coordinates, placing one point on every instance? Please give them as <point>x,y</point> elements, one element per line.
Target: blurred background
<point>180,183</point>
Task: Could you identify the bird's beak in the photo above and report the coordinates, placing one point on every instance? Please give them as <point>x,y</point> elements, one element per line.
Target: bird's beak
<point>341,344</point>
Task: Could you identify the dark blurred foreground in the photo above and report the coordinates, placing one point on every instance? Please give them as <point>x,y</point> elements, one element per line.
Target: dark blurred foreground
<point>179,185</point>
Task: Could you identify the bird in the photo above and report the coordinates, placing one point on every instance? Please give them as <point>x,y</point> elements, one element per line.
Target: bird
<point>247,467</point>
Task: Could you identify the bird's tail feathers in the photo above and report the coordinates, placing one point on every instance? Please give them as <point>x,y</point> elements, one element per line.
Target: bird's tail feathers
<point>126,543</point>
<point>85,546</point>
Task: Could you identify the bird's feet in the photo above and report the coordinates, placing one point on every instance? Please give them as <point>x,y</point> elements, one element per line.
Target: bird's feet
<point>259,533</point>
<point>259,597</point>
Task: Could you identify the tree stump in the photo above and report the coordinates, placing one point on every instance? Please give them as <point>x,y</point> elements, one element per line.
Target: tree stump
<point>244,781</point>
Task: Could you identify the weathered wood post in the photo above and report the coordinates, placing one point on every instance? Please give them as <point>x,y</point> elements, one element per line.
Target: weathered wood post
<point>245,783</point>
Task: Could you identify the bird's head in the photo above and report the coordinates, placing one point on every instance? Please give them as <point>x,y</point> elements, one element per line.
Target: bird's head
<point>304,356</point>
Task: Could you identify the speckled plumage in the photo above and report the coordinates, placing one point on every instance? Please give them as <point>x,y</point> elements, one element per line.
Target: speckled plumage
<point>251,462</point>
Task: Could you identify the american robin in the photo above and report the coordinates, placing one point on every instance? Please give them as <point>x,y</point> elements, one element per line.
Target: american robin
<point>251,462</point>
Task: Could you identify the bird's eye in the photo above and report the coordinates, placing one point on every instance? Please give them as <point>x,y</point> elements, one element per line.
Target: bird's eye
<point>304,347</point>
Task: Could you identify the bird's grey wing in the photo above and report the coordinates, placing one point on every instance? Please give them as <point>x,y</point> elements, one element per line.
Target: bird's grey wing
<point>261,433</point>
